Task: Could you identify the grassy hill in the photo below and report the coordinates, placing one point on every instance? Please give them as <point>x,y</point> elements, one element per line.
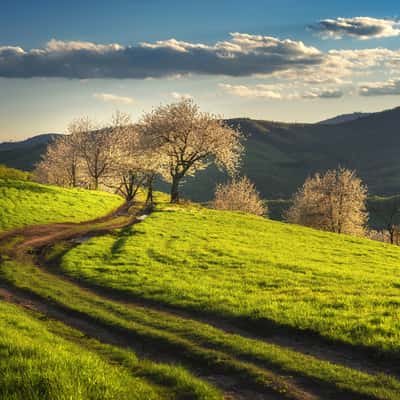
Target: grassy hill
<point>248,268</point>
<point>43,358</point>
<point>25,203</point>
<point>248,308</point>
<point>280,156</point>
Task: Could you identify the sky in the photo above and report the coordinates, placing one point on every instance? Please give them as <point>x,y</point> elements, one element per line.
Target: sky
<point>286,60</point>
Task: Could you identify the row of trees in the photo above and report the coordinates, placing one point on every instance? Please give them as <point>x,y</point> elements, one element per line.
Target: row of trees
<point>334,201</point>
<point>172,141</point>
<point>178,140</point>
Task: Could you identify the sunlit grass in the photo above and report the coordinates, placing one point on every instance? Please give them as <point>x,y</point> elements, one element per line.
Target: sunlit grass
<point>25,203</point>
<point>198,343</point>
<point>240,266</point>
<point>37,364</point>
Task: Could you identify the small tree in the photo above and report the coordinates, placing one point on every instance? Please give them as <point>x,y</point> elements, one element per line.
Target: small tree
<point>96,147</point>
<point>134,165</point>
<point>60,164</point>
<point>332,202</point>
<point>239,195</point>
<point>189,140</point>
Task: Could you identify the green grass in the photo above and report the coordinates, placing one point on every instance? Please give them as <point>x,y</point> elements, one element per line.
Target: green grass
<point>200,344</point>
<point>37,364</point>
<point>244,267</point>
<point>25,203</point>
<point>12,173</point>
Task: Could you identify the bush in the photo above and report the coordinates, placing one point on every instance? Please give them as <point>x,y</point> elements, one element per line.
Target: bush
<point>239,195</point>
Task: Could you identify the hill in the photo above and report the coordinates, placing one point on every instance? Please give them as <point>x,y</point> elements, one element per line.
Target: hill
<point>246,272</point>
<point>25,154</point>
<point>279,156</point>
<point>344,118</point>
<point>25,203</point>
<point>248,308</point>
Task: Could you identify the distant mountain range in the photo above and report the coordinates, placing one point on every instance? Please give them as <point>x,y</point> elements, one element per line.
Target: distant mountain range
<point>279,156</point>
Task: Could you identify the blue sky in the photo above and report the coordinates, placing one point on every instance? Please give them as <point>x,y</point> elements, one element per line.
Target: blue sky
<point>43,86</point>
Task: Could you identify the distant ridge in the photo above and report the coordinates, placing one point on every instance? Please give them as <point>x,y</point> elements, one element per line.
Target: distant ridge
<point>43,138</point>
<point>340,119</point>
<point>26,153</point>
<point>279,156</point>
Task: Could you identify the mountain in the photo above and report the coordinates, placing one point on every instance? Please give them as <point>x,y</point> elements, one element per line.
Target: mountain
<point>340,119</point>
<point>279,156</point>
<point>26,153</point>
<point>44,138</point>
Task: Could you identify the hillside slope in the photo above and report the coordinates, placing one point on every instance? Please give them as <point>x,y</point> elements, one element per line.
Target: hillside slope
<point>344,118</point>
<point>24,203</point>
<point>246,268</point>
<point>280,156</point>
<point>213,292</point>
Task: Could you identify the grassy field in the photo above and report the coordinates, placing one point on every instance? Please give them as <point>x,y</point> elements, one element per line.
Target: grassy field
<point>249,274</point>
<point>200,345</point>
<point>36,364</point>
<point>25,203</point>
<point>244,267</point>
<point>44,359</point>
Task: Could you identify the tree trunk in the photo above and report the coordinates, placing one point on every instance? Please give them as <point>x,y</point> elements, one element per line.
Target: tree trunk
<point>391,233</point>
<point>74,180</point>
<point>149,199</point>
<point>175,189</point>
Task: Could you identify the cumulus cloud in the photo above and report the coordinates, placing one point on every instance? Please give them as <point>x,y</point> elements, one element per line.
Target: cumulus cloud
<point>323,94</point>
<point>261,91</point>
<point>358,27</point>
<point>179,96</point>
<point>276,92</point>
<point>388,88</point>
<point>113,98</point>
<point>242,55</point>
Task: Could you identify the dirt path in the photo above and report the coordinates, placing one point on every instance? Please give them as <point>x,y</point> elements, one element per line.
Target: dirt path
<point>35,238</point>
<point>312,345</point>
<point>104,334</point>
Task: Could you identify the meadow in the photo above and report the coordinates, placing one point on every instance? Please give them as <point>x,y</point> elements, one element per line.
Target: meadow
<point>44,359</point>
<point>200,346</point>
<point>199,294</point>
<point>26,203</point>
<point>246,268</point>
<point>36,364</point>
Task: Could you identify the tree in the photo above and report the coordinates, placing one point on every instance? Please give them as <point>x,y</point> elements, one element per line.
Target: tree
<point>60,163</point>
<point>189,140</point>
<point>332,202</point>
<point>96,147</point>
<point>239,195</point>
<point>134,165</point>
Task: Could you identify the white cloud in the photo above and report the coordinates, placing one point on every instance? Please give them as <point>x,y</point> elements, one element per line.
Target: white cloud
<point>263,91</point>
<point>388,88</point>
<point>113,98</point>
<point>323,94</point>
<point>242,55</point>
<point>358,27</point>
<point>275,92</point>
<point>179,96</point>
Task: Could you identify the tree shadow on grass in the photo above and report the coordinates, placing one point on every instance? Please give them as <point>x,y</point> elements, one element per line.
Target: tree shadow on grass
<point>123,235</point>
